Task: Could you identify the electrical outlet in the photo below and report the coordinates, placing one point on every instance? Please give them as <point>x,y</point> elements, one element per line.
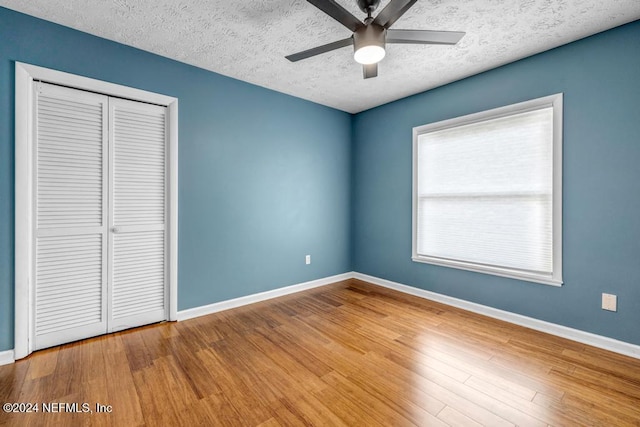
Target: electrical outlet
<point>307,259</point>
<point>609,302</point>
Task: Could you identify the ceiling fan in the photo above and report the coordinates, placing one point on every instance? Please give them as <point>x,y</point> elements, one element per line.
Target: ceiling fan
<point>369,36</point>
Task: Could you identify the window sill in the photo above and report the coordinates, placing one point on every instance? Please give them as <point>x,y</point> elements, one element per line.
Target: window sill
<point>496,271</point>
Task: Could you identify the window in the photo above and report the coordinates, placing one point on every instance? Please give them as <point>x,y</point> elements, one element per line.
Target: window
<point>487,191</point>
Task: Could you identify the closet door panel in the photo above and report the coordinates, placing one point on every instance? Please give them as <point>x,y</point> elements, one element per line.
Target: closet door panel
<point>138,200</point>
<point>69,292</point>
<point>138,277</point>
<point>70,215</point>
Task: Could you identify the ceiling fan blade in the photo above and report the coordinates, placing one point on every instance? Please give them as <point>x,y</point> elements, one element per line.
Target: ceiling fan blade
<point>424,36</point>
<point>337,12</point>
<point>320,49</point>
<point>392,12</point>
<point>370,70</point>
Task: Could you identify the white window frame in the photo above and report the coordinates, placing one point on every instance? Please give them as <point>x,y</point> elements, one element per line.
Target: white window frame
<point>25,75</point>
<point>555,101</point>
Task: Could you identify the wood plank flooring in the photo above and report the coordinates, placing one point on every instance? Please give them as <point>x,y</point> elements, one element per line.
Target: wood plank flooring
<point>350,353</point>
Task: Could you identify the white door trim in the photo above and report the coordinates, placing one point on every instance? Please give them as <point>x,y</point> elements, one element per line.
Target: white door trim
<point>25,75</point>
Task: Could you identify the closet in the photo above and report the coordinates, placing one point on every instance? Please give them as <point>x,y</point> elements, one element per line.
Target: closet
<point>99,206</point>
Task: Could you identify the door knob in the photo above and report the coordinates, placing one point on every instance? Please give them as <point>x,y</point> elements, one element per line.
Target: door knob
<point>115,230</point>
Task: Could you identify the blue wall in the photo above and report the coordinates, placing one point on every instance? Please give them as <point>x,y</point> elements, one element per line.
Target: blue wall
<point>600,79</point>
<point>263,177</point>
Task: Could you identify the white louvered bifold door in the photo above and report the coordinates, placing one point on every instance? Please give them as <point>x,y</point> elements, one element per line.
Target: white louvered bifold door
<point>137,246</point>
<point>70,209</point>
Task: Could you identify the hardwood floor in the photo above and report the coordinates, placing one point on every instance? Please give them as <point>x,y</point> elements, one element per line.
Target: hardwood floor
<point>350,353</point>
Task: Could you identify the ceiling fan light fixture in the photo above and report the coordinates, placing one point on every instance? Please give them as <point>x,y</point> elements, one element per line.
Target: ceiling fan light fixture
<point>369,44</point>
<point>369,55</point>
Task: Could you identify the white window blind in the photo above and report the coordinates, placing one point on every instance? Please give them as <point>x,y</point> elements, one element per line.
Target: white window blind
<point>486,192</point>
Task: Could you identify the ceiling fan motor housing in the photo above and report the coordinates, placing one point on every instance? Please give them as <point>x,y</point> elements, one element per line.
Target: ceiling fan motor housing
<point>372,35</point>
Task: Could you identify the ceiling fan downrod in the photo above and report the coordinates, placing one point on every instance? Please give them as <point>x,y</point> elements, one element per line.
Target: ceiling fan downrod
<point>368,6</point>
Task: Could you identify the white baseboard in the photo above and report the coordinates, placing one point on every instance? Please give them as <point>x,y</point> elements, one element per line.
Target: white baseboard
<point>262,296</point>
<point>583,337</point>
<point>6,357</point>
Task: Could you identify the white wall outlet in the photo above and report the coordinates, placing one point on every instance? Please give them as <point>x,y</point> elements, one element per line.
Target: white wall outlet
<point>609,302</point>
<point>307,259</point>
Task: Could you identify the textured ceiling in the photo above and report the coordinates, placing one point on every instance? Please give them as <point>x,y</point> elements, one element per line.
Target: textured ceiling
<point>248,40</point>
